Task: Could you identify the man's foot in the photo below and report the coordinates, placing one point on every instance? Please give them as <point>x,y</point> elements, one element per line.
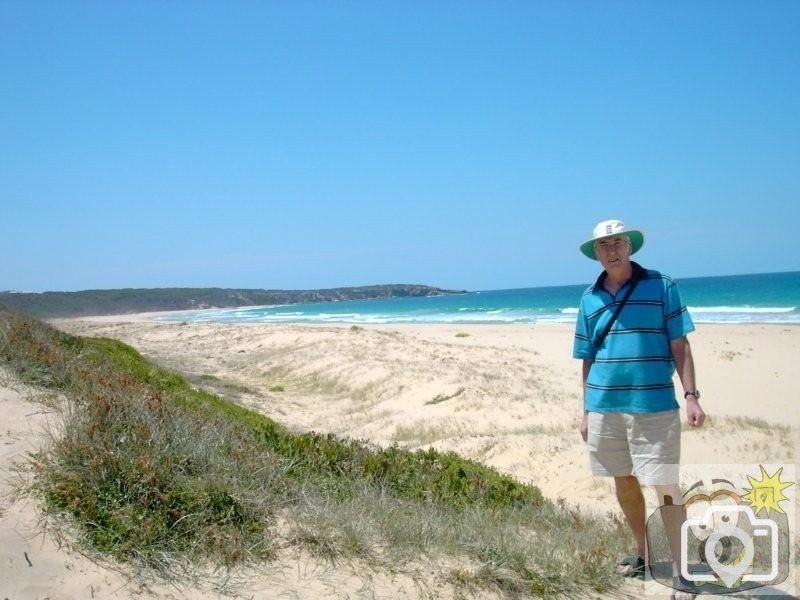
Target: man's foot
<point>682,587</point>
<point>631,566</point>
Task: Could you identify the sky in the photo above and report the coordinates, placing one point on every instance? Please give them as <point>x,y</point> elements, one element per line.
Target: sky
<point>469,145</point>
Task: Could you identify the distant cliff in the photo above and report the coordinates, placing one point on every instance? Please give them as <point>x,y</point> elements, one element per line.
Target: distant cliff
<point>126,301</point>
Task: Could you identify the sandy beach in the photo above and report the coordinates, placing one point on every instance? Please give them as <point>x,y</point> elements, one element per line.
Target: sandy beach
<point>505,395</point>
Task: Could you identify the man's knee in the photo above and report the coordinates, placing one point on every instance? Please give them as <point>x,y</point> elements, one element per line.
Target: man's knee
<point>627,486</point>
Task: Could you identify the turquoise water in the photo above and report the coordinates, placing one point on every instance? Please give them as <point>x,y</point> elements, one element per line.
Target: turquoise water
<point>759,298</point>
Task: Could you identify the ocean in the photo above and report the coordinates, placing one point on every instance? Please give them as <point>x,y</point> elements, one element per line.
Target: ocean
<point>758,298</point>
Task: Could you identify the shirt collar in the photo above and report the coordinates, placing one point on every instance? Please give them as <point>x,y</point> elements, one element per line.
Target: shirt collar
<point>638,273</point>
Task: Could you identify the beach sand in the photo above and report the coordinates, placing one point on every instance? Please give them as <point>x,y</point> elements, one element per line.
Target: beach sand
<point>505,395</point>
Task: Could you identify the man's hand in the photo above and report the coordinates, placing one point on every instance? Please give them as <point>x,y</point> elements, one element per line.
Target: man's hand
<point>694,413</point>
<point>585,426</point>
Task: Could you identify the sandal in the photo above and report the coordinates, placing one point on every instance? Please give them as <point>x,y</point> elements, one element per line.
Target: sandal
<point>631,566</point>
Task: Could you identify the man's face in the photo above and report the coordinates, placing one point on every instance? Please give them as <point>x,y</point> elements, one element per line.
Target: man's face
<point>614,252</point>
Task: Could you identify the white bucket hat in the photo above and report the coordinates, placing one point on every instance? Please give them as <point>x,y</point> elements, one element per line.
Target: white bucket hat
<point>611,228</point>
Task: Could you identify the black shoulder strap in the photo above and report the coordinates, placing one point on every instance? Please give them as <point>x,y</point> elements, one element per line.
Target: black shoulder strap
<point>602,337</point>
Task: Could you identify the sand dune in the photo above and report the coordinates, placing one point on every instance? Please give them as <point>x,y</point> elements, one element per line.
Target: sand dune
<point>504,395</point>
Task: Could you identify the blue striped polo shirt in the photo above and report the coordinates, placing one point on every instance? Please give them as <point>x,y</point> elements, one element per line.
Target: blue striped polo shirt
<point>633,368</point>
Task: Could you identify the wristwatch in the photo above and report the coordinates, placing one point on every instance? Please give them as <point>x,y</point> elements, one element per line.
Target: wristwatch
<point>695,393</point>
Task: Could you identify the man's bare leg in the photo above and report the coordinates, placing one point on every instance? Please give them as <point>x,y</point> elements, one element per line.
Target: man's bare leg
<point>673,521</point>
<point>631,500</point>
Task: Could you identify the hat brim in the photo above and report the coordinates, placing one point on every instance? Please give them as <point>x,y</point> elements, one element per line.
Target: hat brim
<point>636,237</point>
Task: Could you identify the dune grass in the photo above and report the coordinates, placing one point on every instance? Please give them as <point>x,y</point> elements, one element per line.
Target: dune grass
<point>157,473</point>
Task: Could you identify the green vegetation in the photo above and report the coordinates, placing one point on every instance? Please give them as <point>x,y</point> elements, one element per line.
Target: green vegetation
<point>158,473</point>
<point>125,301</point>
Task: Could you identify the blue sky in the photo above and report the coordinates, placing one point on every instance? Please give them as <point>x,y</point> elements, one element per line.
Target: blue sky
<point>458,144</point>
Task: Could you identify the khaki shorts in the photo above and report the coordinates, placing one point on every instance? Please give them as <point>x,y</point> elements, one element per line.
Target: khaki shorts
<point>647,445</point>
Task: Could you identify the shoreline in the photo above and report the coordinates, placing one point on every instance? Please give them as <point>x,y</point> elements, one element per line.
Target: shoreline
<point>156,316</point>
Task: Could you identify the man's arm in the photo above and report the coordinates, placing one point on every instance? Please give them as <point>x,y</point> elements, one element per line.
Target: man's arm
<point>684,364</point>
<point>587,364</point>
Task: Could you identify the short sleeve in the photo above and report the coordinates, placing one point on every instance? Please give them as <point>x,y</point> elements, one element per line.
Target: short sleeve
<point>582,344</point>
<point>678,321</point>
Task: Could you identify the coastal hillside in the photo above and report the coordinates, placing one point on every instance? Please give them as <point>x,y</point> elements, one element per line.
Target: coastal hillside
<point>130,300</point>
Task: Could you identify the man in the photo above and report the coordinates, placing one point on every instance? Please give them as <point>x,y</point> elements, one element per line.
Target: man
<point>631,420</point>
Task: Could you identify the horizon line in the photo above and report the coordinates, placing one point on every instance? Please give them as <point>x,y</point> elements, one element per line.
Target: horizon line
<point>322,289</point>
